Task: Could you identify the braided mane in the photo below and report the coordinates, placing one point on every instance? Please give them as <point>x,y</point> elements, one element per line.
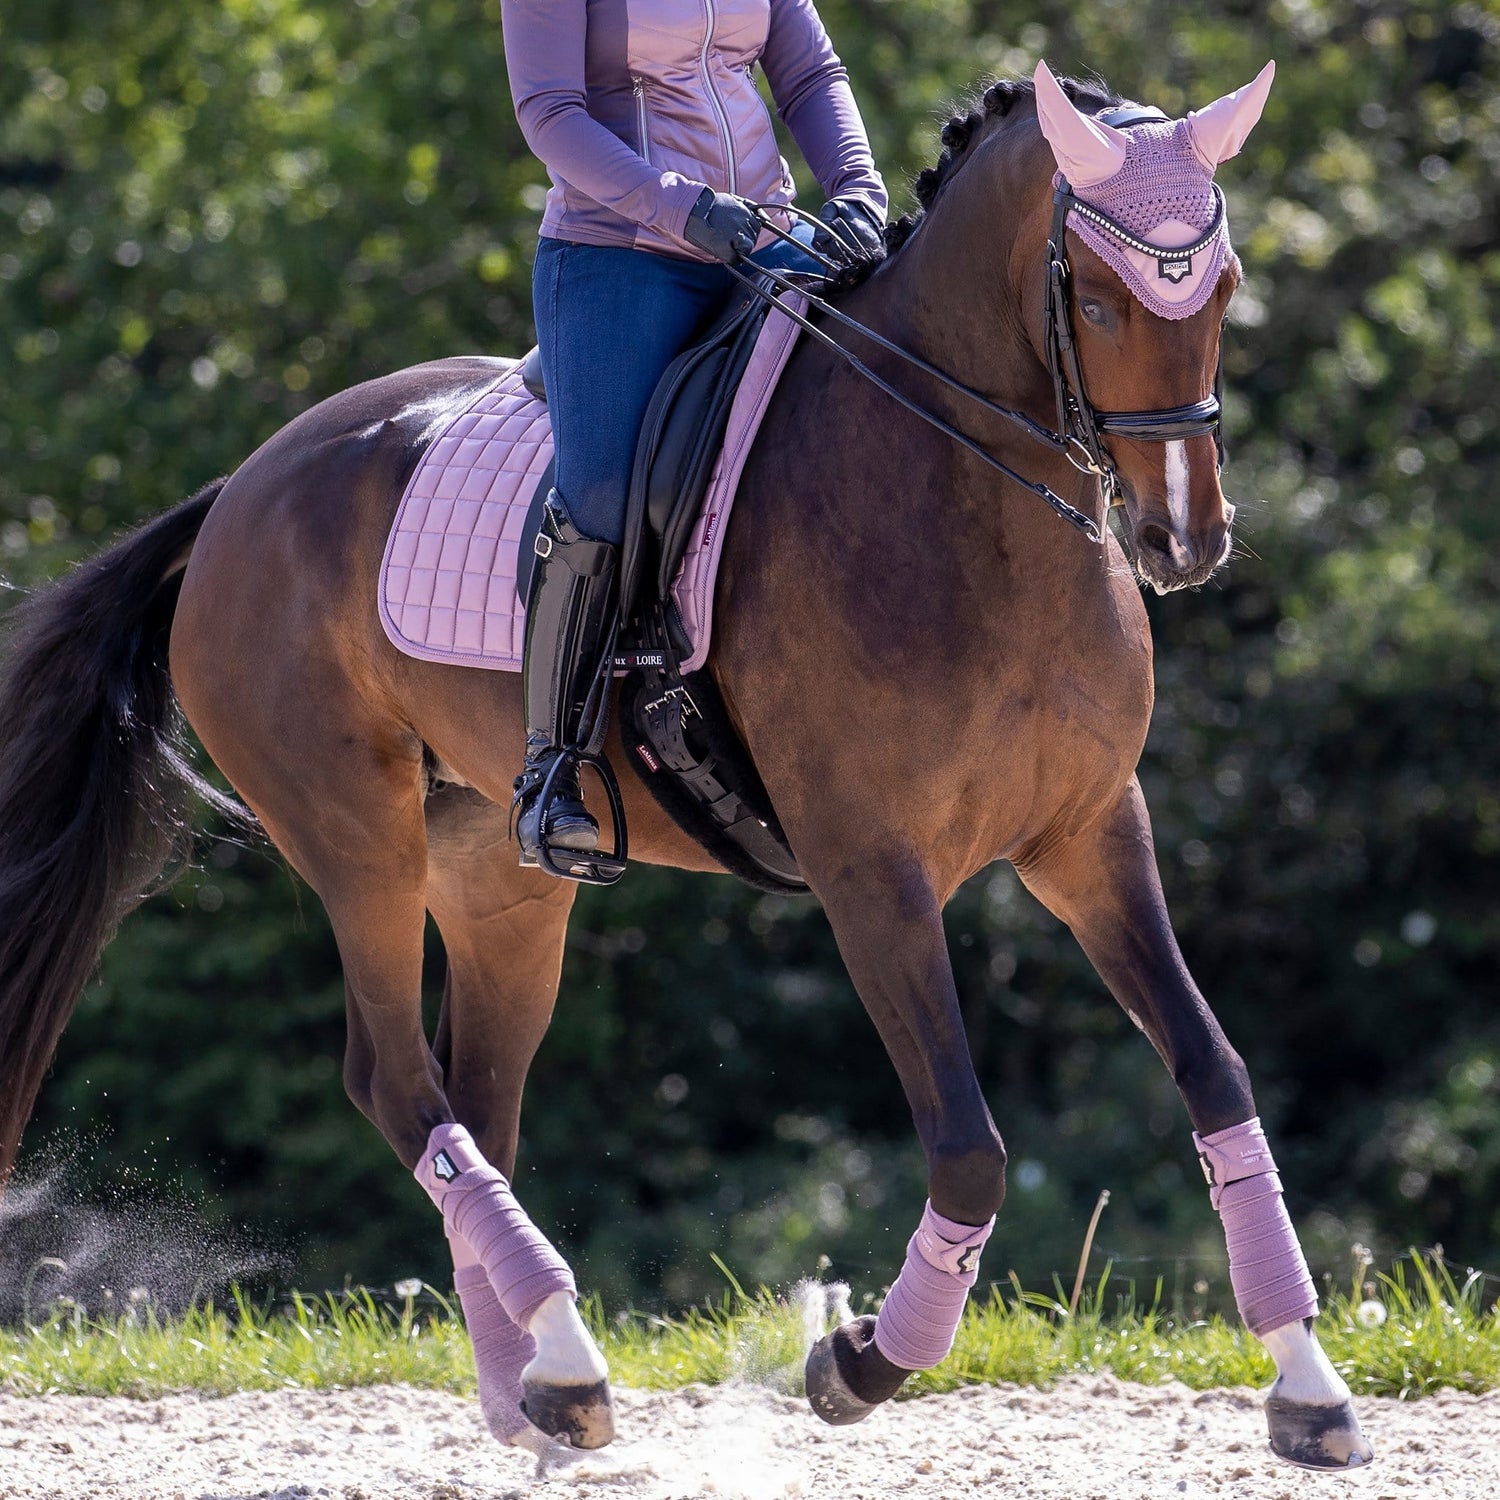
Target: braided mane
<point>999,100</point>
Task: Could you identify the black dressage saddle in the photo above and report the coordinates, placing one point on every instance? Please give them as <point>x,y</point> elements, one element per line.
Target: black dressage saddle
<point>682,743</point>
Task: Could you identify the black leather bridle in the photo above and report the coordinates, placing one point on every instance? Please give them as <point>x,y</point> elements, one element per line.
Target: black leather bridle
<point>1081,427</point>
<point>1078,419</point>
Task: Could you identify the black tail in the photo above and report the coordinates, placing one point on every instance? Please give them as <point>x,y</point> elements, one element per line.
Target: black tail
<point>94,785</point>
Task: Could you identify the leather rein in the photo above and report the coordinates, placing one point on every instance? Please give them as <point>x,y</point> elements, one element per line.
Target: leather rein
<point>1081,427</point>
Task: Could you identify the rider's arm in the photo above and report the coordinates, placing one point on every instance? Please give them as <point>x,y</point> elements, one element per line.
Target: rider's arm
<point>812,93</point>
<point>544,56</point>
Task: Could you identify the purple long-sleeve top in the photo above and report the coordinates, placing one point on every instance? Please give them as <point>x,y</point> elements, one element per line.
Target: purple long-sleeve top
<point>635,106</point>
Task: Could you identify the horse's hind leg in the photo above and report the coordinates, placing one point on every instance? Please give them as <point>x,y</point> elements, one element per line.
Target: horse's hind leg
<point>1104,883</point>
<point>347,811</point>
<point>503,932</point>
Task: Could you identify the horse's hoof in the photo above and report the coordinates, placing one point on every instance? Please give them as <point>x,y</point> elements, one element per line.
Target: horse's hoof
<point>583,1415</point>
<point>1316,1437</point>
<point>847,1376</point>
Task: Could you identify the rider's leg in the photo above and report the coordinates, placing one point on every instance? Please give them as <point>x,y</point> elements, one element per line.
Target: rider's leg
<point>609,322</point>
<point>570,608</point>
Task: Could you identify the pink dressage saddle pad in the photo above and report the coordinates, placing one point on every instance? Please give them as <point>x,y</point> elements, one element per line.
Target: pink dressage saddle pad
<point>448,581</point>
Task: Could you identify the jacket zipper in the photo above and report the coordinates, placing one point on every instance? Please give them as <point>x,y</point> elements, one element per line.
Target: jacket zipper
<point>713,95</point>
<point>638,88</point>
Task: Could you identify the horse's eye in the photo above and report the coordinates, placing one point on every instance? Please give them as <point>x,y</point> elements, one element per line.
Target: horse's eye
<point>1093,310</point>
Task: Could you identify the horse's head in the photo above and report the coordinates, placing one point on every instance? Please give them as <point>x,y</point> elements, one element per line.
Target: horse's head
<point>1140,277</point>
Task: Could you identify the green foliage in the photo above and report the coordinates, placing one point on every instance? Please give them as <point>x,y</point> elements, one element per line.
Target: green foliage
<point>1421,1333</point>
<point>313,1342</point>
<point>212,218</point>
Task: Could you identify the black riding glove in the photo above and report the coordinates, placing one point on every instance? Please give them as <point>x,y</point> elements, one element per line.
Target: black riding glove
<point>723,225</point>
<point>855,232</point>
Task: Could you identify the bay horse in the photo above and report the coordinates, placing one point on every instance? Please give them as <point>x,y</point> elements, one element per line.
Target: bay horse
<point>930,671</point>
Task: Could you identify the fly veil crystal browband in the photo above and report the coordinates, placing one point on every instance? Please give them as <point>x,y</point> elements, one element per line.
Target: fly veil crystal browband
<point>1147,179</point>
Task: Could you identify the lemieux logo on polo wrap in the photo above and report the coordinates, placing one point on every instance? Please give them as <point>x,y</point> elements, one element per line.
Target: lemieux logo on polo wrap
<point>443,1168</point>
<point>1251,1155</point>
<point>936,1247</point>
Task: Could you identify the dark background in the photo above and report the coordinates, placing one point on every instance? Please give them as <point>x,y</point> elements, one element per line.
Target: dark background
<point>214,214</point>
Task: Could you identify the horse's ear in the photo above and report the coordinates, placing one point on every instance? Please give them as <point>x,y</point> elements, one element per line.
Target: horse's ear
<point>1087,151</point>
<point>1220,130</point>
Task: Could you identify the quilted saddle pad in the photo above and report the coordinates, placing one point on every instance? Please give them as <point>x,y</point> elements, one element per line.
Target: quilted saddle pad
<point>448,580</point>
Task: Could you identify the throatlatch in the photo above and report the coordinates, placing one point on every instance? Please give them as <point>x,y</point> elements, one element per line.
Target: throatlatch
<point>570,634</point>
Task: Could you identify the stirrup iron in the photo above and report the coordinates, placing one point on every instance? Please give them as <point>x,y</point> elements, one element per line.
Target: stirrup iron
<point>595,867</point>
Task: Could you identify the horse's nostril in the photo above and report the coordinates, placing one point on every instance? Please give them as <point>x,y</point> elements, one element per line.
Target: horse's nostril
<point>1157,538</point>
<point>1168,550</point>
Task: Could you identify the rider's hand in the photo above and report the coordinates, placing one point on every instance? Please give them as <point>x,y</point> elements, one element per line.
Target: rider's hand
<point>855,232</point>
<point>724,226</point>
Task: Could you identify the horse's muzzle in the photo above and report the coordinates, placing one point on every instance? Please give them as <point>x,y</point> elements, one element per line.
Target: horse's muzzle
<point>1168,558</point>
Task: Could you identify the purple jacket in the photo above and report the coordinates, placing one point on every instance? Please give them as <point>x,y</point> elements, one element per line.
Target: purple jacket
<point>635,106</point>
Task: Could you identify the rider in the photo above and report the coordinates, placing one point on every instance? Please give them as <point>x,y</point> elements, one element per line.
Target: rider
<point>657,143</point>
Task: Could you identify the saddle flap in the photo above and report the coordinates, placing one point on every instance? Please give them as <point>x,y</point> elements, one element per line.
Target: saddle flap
<point>680,440</point>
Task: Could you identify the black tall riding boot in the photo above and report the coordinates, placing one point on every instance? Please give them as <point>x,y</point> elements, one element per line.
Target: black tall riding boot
<point>569,614</point>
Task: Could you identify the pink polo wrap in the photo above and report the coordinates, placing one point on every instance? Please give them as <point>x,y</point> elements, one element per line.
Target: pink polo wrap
<point>920,1314</point>
<point>501,1351</point>
<point>478,1207</point>
<point>1272,1285</point>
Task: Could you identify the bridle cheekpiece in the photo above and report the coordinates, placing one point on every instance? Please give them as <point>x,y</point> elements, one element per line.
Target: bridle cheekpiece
<point>1079,422</point>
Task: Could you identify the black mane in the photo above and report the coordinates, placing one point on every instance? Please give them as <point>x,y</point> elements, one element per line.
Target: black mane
<point>999,99</point>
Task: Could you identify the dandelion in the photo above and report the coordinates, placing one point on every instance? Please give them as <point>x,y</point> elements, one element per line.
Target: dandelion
<point>1370,1313</point>
<point>407,1290</point>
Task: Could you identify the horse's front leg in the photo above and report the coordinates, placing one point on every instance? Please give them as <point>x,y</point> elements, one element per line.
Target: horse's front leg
<point>1104,884</point>
<point>888,922</point>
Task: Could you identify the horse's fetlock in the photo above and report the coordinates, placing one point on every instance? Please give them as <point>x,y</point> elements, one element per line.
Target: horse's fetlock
<point>1215,1085</point>
<point>967,1183</point>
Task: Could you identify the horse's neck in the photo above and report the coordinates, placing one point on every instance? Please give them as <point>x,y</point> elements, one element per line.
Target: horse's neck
<point>954,298</point>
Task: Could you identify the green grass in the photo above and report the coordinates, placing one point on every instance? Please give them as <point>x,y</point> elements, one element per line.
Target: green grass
<point>1435,1333</point>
